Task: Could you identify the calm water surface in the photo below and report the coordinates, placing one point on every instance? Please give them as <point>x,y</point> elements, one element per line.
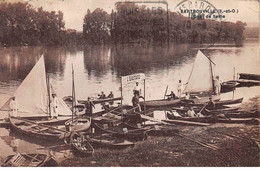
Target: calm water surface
<point>99,68</point>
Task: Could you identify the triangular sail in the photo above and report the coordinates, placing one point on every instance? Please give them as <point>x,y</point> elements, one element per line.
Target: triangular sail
<point>201,76</point>
<point>63,108</point>
<point>32,96</point>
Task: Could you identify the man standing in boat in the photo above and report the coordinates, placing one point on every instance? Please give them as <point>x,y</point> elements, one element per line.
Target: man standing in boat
<point>179,88</point>
<point>136,103</point>
<point>111,95</point>
<point>13,106</point>
<point>137,89</point>
<point>55,106</point>
<point>89,107</point>
<point>217,83</point>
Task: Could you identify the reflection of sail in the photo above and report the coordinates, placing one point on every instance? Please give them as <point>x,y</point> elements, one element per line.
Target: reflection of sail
<point>200,79</point>
<point>32,96</point>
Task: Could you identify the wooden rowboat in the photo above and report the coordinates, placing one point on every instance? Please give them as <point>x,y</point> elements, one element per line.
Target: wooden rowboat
<point>122,132</point>
<point>78,124</point>
<point>205,119</point>
<point>81,146</point>
<point>160,103</point>
<point>154,129</point>
<point>249,76</point>
<point>239,121</point>
<point>101,100</point>
<point>29,160</point>
<point>227,86</point>
<point>109,141</point>
<point>37,130</point>
<point>219,103</point>
<point>233,114</point>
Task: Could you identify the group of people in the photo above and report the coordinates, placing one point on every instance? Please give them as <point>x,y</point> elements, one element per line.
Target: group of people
<point>210,106</point>
<point>89,105</point>
<point>217,88</point>
<point>53,104</point>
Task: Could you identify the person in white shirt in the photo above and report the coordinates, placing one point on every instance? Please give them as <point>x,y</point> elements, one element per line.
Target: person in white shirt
<point>191,112</point>
<point>137,89</point>
<point>13,106</point>
<point>179,88</point>
<point>217,85</point>
<point>55,106</point>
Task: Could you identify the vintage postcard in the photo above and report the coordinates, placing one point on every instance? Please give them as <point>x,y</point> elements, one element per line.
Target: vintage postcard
<point>129,83</point>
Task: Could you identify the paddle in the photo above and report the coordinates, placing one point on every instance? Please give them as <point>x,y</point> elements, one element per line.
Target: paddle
<point>202,108</point>
<point>165,92</point>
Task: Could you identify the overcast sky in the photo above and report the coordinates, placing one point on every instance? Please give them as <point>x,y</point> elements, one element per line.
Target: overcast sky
<point>74,10</point>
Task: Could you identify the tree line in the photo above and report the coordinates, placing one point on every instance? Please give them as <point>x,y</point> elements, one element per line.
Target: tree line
<point>22,24</point>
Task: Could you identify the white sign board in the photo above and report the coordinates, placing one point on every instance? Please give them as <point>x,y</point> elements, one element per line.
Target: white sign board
<point>133,78</point>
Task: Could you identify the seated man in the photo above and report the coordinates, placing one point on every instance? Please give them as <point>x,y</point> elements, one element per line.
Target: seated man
<point>210,105</point>
<point>102,95</point>
<point>191,112</point>
<point>171,95</point>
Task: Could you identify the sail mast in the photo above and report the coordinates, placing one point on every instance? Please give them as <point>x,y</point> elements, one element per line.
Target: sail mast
<point>212,76</point>
<point>73,93</point>
<point>49,95</point>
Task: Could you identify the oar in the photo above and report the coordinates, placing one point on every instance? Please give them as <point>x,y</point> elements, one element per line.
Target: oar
<point>53,146</point>
<point>165,92</point>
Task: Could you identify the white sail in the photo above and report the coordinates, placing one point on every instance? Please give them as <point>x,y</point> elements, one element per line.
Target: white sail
<point>62,106</point>
<point>32,95</point>
<point>200,79</point>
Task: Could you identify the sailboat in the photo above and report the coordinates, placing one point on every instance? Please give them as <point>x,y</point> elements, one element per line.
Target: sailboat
<point>33,97</point>
<point>201,80</point>
<point>76,124</point>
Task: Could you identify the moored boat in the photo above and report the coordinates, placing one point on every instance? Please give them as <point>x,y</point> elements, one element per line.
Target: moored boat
<point>239,121</point>
<point>218,103</point>
<point>29,160</point>
<point>155,129</point>
<point>249,76</point>
<point>228,86</point>
<point>78,124</point>
<point>80,145</point>
<point>205,119</point>
<point>160,103</point>
<point>36,130</point>
<point>109,141</point>
<point>121,131</point>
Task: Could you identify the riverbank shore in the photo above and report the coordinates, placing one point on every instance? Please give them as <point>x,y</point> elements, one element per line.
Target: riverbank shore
<point>237,145</point>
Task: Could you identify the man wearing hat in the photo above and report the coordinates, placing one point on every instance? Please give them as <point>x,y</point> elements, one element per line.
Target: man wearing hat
<point>89,107</point>
<point>211,104</point>
<point>55,106</point>
<point>13,106</point>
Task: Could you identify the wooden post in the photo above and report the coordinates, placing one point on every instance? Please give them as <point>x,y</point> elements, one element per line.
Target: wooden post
<point>144,99</point>
<point>121,98</point>
<point>73,95</point>
<point>234,73</point>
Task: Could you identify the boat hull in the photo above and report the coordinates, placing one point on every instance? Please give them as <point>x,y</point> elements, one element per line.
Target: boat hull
<point>36,130</point>
<point>160,103</point>
<point>81,147</point>
<point>30,160</point>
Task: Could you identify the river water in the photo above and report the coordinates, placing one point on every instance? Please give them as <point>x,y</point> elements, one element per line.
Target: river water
<point>99,68</point>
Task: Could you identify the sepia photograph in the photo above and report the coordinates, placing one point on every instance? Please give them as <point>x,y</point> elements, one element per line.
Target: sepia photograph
<point>129,83</point>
